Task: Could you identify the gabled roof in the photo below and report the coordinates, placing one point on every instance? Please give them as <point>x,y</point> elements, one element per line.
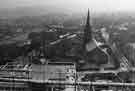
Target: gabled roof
<point>91,45</point>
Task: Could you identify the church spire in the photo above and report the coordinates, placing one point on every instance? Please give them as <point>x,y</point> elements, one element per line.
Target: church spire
<point>87,31</point>
<point>88,19</point>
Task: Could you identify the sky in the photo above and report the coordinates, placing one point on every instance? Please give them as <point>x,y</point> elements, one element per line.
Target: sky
<point>76,5</point>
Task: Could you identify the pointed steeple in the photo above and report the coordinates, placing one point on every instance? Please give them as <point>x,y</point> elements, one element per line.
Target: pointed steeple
<point>88,19</point>
<point>87,37</point>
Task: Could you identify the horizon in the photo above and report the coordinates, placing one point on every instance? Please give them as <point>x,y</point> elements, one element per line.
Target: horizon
<point>74,5</point>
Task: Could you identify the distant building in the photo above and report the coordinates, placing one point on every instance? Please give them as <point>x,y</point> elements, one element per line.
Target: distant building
<point>93,55</point>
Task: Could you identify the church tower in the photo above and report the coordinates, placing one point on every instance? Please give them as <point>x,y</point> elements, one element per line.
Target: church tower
<point>87,37</point>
